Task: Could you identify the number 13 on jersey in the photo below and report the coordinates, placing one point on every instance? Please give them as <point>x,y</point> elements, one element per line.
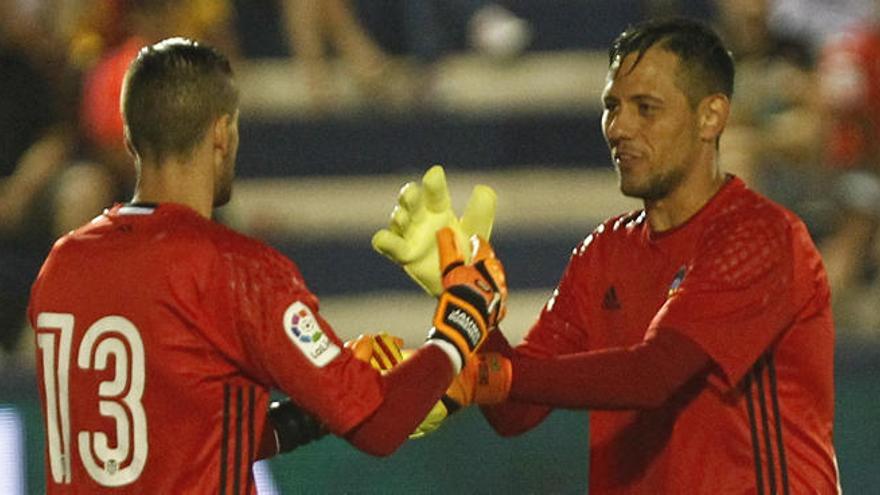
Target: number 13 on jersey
<point>118,398</point>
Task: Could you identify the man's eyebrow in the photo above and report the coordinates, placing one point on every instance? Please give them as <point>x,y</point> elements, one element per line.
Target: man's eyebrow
<point>646,98</point>
<point>638,98</point>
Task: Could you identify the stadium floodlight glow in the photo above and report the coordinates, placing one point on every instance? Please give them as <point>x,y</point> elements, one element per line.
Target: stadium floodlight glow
<point>12,454</point>
<point>263,479</point>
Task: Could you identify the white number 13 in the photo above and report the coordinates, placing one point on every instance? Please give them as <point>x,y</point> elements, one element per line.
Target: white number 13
<point>108,466</point>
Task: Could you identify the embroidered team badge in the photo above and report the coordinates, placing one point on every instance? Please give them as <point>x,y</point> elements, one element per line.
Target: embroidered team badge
<point>610,301</point>
<point>674,287</point>
<point>303,329</point>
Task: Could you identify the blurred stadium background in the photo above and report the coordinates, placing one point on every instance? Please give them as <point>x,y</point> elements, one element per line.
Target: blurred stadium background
<point>316,185</point>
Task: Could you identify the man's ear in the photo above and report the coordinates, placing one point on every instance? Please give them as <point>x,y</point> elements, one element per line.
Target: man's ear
<point>220,133</point>
<point>713,112</point>
<point>128,146</point>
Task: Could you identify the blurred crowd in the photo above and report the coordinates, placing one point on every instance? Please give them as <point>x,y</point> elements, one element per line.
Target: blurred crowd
<point>63,155</point>
<point>806,128</point>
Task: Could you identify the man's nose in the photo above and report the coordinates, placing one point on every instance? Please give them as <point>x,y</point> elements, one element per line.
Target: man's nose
<point>618,125</point>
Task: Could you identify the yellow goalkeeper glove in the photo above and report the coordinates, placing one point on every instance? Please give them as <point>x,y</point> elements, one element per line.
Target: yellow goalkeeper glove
<point>422,210</point>
<point>381,350</point>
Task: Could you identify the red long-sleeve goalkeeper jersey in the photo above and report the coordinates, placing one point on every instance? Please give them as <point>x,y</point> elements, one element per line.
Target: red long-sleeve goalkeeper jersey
<point>159,335</point>
<point>743,280</point>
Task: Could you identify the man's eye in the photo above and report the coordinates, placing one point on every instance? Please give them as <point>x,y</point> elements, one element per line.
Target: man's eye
<point>646,109</point>
<point>610,106</point>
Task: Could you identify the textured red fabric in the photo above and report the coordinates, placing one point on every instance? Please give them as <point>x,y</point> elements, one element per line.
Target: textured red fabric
<point>169,332</point>
<point>643,376</point>
<point>413,385</point>
<point>740,282</point>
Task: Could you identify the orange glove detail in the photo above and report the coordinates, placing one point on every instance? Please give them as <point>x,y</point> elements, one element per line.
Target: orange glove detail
<point>484,380</point>
<point>474,296</point>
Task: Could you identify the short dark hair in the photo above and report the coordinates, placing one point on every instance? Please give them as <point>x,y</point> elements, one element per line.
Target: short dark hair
<point>172,92</point>
<point>705,65</point>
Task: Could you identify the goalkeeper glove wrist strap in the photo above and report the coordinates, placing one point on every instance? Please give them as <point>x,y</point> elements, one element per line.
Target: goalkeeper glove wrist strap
<point>460,319</point>
<point>452,406</point>
<point>293,426</point>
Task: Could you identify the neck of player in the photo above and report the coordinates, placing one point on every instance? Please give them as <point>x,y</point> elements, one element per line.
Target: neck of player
<point>187,181</point>
<point>685,200</point>
<point>200,178</point>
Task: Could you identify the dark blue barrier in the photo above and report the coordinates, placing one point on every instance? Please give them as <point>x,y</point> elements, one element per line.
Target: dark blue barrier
<point>351,266</point>
<point>370,144</point>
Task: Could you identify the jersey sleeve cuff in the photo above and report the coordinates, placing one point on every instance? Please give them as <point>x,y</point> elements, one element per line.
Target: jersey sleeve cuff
<point>451,351</point>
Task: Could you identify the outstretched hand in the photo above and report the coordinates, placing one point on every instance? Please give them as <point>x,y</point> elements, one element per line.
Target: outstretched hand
<point>422,210</point>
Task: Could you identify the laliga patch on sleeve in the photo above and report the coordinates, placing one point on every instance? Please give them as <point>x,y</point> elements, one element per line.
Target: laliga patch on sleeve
<point>303,329</point>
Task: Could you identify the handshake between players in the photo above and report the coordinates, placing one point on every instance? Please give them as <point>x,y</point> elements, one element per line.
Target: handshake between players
<point>424,238</point>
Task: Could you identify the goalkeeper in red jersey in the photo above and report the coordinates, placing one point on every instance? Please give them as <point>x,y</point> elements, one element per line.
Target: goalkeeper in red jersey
<point>697,330</point>
<point>160,333</point>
